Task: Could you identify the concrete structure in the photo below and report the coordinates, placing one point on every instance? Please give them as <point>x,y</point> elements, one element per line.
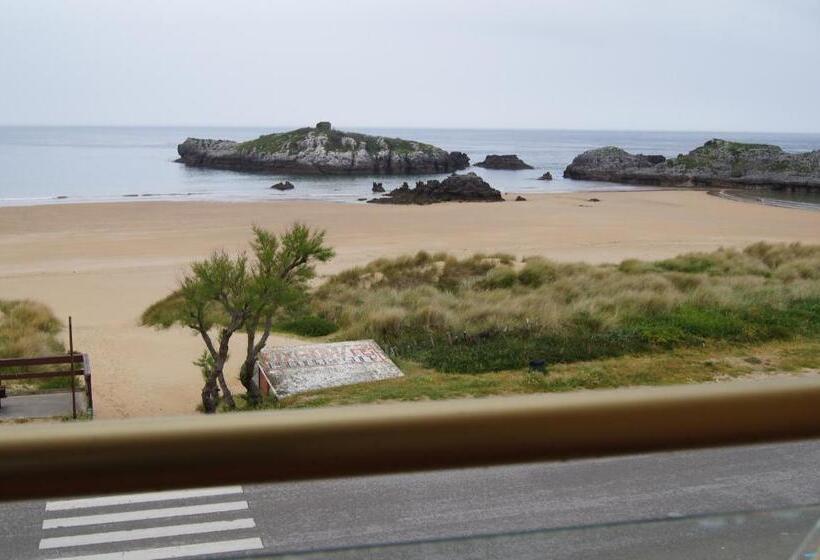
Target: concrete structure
<point>287,370</point>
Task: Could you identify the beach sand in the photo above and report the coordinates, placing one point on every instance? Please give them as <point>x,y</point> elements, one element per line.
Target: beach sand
<point>105,263</point>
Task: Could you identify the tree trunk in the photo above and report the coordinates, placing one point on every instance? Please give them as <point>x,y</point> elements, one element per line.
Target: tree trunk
<point>246,377</point>
<point>226,392</point>
<point>209,398</point>
<point>246,372</point>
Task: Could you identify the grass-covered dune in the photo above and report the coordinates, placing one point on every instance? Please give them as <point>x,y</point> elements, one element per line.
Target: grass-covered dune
<point>491,313</point>
<point>29,329</point>
<point>495,313</point>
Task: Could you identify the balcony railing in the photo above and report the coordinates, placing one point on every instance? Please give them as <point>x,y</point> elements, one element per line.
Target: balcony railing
<point>71,459</point>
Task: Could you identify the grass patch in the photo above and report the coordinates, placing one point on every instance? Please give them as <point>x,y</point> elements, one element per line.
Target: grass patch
<point>27,330</point>
<point>308,325</point>
<point>448,319</point>
<point>683,365</point>
<point>490,313</point>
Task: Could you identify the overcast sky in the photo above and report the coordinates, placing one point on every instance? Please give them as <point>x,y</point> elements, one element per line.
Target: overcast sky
<point>593,64</point>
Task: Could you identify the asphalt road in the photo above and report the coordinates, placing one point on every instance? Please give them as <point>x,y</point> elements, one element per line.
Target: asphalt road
<point>440,514</point>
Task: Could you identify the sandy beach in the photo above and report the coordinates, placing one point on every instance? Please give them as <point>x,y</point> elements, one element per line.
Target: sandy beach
<point>105,263</point>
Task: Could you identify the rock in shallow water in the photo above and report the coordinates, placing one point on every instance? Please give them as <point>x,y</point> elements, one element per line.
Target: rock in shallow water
<point>546,177</point>
<point>509,161</point>
<point>455,188</point>
<point>718,163</point>
<point>283,186</point>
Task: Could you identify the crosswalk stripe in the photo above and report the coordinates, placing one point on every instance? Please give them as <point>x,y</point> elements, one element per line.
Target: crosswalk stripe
<point>124,499</point>
<point>149,533</point>
<point>142,514</point>
<point>177,551</point>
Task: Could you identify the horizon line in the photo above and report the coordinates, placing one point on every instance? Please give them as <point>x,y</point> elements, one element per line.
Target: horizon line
<point>409,127</point>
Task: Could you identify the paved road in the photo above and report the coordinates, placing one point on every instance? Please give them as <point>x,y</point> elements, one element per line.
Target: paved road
<point>453,504</point>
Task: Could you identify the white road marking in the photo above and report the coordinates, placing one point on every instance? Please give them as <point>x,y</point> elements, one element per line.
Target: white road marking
<point>177,551</point>
<point>149,533</point>
<point>60,505</point>
<point>142,514</point>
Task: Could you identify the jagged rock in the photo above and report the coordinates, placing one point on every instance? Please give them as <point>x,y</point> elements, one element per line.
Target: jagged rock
<point>283,186</point>
<point>510,161</point>
<point>546,177</point>
<point>378,187</point>
<point>455,188</point>
<point>321,150</point>
<point>718,163</point>
<point>520,198</point>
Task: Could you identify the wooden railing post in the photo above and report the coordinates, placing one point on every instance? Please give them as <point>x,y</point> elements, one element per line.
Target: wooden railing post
<point>71,367</point>
<point>88,392</point>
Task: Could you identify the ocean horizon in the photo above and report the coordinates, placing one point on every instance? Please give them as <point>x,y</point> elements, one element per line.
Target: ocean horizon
<point>72,164</point>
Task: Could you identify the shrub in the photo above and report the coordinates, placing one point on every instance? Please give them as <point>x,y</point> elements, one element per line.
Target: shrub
<point>479,314</point>
<point>309,325</point>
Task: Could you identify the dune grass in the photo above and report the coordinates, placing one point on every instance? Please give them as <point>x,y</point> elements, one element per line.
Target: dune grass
<point>29,329</point>
<point>494,313</point>
<point>471,326</point>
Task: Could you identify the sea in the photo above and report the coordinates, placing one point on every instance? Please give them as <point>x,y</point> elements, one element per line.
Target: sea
<point>64,165</point>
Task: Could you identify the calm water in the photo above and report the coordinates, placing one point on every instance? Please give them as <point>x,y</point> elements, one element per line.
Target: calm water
<point>54,165</point>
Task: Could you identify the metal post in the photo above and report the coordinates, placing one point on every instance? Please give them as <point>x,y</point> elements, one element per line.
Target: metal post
<point>71,368</point>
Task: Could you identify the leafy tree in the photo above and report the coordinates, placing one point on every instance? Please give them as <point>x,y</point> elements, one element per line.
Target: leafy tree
<point>233,294</point>
<point>279,278</point>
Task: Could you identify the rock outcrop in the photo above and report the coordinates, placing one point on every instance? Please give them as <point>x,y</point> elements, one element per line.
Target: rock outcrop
<point>546,177</point>
<point>283,186</point>
<point>510,161</point>
<point>718,163</point>
<point>321,150</point>
<point>455,188</point>
<point>377,187</point>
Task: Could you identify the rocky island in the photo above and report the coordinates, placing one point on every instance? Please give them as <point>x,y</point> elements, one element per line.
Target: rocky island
<point>321,150</point>
<point>508,161</point>
<point>718,163</point>
<point>455,188</point>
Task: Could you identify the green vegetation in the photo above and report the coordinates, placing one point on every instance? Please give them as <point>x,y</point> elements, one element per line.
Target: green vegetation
<point>741,156</point>
<point>715,362</point>
<point>226,295</point>
<point>470,326</point>
<point>335,141</point>
<point>27,330</point>
<point>484,314</point>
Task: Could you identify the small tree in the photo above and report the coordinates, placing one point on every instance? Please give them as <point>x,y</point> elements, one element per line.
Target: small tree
<point>279,278</point>
<point>234,294</point>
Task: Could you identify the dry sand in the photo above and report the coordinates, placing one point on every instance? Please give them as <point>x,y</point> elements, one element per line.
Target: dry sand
<point>105,263</point>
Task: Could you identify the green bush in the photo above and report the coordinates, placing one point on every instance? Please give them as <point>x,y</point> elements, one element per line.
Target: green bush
<point>309,325</point>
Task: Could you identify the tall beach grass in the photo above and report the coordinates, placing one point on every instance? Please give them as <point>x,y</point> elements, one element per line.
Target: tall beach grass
<point>495,312</point>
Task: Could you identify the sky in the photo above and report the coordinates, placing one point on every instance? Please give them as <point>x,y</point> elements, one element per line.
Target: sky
<point>733,65</point>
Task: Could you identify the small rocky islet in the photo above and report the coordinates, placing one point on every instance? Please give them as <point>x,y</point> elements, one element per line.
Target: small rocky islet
<point>507,162</point>
<point>321,150</point>
<point>718,163</point>
<point>468,187</point>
